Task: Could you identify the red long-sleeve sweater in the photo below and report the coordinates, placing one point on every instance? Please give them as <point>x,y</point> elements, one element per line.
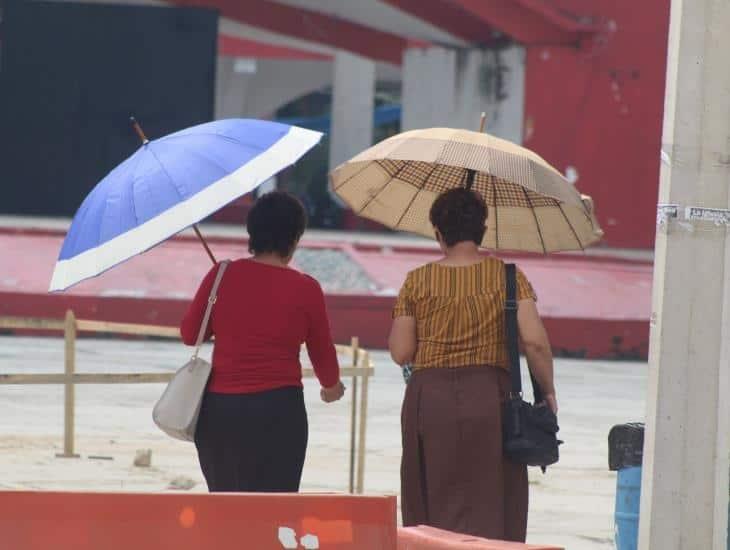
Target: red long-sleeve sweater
<point>261,317</point>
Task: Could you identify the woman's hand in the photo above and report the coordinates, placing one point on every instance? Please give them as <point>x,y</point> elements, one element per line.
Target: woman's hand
<point>552,402</point>
<point>335,393</point>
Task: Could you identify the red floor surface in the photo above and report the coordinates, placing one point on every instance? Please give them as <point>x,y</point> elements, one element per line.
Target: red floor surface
<point>592,306</point>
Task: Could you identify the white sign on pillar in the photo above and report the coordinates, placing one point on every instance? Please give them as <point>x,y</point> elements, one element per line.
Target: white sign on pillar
<point>684,501</point>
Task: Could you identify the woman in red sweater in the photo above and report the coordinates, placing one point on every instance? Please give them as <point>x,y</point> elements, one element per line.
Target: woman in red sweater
<point>252,430</point>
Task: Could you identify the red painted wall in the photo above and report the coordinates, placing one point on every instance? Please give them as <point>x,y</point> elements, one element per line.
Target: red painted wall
<point>599,108</point>
<point>367,317</point>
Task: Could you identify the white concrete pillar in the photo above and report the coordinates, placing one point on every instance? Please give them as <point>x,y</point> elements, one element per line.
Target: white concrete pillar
<point>280,81</point>
<point>684,502</point>
<point>452,87</point>
<point>233,78</point>
<point>353,99</point>
<point>428,87</point>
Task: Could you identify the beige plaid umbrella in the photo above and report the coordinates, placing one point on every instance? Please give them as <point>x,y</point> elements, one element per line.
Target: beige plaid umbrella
<point>532,207</point>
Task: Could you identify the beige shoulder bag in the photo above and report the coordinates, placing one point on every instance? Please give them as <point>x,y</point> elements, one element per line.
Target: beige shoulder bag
<point>176,412</point>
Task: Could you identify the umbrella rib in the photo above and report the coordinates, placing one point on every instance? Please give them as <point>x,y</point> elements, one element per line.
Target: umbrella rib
<point>367,164</point>
<point>496,216</point>
<point>534,215</point>
<point>224,170</point>
<point>231,140</point>
<point>413,199</point>
<point>134,206</point>
<point>375,196</point>
<point>588,217</point>
<point>567,220</point>
<point>134,178</point>
<point>210,134</point>
<point>169,177</point>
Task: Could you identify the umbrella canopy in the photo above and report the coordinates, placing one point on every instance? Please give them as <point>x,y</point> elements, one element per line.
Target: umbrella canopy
<point>532,207</point>
<point>170,184</point>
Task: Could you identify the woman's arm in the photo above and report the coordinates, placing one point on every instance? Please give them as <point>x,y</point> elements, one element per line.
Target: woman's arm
<point>537,348</point>
<point>190,325</point>
<point>403,342</point>
<point>320,348</point>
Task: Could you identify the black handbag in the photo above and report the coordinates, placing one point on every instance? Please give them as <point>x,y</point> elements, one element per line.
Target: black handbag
<point>529,432</point>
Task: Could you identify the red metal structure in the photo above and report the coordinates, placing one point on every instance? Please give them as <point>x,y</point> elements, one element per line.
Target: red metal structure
<point>310,25</point>
<point>594,87</point>
<point>599,109</point>
<point>594,92</point>
<point>529,22</point>
<point>233,46</point>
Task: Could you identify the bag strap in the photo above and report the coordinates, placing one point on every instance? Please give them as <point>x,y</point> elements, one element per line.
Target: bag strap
<point>510,327</point>
<point>209,308</point>
<point>510,324</point>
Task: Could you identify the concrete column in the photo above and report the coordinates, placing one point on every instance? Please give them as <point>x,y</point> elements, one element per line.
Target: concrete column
<point>353,97</point>
<point>452,87</point>
<point>280,81</point>
<point>684,502</point>
<point>231,85</point>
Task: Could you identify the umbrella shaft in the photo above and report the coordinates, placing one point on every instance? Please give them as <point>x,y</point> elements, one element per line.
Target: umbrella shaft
<point>470,174</point>
<point>205,244</point>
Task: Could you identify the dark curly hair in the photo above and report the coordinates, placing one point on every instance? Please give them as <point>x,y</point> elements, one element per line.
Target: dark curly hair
<point>275,224</point>
<point>459,215</point>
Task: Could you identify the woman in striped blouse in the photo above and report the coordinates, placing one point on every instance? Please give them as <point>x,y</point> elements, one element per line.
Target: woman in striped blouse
<point>449,325</point>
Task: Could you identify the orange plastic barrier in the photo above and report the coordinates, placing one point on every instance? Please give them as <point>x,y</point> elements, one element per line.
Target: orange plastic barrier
<point>428,538</point>
<point>118,521</point>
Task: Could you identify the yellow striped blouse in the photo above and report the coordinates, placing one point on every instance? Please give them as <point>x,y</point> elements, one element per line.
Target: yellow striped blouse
<point>459,313</point>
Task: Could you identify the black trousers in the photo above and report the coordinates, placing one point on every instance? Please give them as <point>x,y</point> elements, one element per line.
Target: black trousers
<point>253,442</point>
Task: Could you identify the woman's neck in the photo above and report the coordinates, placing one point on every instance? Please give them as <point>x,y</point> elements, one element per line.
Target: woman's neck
<point>270,258</point>
<point>463,253</point>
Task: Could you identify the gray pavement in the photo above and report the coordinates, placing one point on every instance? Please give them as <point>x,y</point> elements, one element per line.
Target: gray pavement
<point>571,505</point>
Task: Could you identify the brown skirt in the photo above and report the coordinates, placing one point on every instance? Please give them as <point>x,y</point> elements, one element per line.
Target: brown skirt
<point>453,473</point>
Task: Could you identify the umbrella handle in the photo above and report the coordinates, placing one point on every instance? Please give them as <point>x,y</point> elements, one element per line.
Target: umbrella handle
<point>138,129</point>
<point>205,244</point>
<point>482,122</point>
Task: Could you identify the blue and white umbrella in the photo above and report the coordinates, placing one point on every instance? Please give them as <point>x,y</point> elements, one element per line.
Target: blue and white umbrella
<point>170,184</point>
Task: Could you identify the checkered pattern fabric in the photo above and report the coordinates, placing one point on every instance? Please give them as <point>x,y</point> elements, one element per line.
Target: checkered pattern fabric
<point>532,207</point>
<point>440,177</point>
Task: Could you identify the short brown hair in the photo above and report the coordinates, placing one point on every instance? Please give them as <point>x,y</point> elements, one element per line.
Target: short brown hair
<point>460,215</point>
<point>275,224</point>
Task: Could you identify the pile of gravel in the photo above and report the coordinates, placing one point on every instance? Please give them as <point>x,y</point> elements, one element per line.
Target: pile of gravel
<point>334,270</point>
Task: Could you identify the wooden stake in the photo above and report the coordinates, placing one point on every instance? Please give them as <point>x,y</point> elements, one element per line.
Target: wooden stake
<point>355,343</point>
<point>69,405</point>
<point>205,244</point>
<point>138,129</point>
<point>360,485</point>
<point>482,122</point>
